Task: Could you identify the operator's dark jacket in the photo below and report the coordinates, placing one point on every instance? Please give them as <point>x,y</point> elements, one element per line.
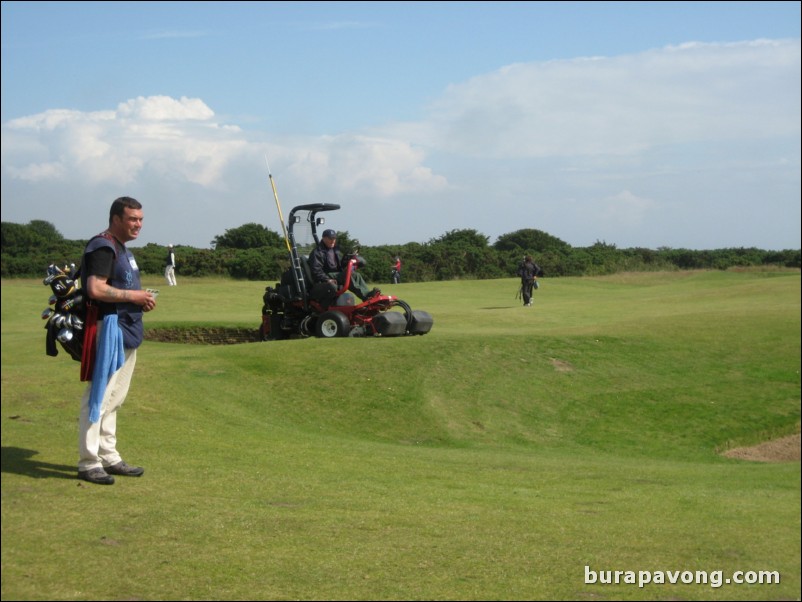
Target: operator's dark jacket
<point>324,261</point>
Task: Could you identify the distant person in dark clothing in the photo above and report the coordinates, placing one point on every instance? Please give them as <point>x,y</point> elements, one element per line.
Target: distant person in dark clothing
<point>326,263</point>
<point>528,270</point>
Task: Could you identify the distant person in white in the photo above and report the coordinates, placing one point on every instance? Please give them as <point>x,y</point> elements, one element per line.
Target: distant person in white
<point>169,268</point>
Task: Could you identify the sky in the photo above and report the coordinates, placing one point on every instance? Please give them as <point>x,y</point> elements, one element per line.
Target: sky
<point>636,124</point>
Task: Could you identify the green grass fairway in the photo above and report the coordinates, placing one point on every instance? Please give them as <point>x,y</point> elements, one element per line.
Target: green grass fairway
<point>512,453</point>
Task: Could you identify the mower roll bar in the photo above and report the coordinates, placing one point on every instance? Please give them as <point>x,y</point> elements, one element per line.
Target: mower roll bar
<point>313,209</point>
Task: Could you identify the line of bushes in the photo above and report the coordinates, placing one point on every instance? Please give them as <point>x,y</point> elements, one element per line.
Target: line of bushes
<point>253,252</point>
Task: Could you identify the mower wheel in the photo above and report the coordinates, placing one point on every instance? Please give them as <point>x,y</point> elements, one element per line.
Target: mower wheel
<point>332,324</point>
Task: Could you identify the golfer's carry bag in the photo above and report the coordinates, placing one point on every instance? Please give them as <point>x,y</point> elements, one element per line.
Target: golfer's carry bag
<point>65,314</point>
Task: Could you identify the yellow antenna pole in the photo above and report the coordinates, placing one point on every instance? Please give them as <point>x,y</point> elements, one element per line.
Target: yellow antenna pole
<point>278,206</point>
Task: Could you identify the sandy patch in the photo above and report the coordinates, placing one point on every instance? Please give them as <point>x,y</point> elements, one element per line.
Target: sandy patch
<point>786,449</point>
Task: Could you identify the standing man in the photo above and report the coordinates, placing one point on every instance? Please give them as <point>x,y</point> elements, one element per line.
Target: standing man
<point>397,270</point>
<point>528,270</point>
<point>110,279</point>
<point>169,266</point>
<point>325,261</point>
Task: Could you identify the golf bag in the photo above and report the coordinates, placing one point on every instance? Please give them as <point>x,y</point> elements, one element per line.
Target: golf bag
<point>65,314</point>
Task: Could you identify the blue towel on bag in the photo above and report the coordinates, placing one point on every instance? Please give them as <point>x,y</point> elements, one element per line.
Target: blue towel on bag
<point>110,358</point>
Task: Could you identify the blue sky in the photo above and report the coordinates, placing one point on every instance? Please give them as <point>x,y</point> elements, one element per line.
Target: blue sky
<point>640,124</point>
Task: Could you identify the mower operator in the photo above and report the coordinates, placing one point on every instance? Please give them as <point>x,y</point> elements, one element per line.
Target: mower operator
<point>325,262</point>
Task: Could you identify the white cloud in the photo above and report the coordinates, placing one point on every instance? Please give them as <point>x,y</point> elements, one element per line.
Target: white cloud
<point>38,172</point>
<point>361,164</point>
<point>620,105</point>
<point>158,135</point>
<point>164,108</point>
<point>681,146</point>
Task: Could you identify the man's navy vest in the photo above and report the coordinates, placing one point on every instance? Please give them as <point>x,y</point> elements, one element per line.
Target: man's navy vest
<point>125,276</point>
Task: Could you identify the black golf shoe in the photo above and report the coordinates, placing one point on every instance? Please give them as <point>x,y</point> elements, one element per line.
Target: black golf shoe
<point>124,470</point>
<point>97,476</point>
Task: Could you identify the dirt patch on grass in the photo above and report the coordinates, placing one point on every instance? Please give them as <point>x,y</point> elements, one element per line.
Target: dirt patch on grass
<point>561,366</point>
<point>786,449</point>
<point>203,336</point>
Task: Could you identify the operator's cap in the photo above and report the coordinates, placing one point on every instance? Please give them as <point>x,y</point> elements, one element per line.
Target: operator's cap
<point>329,234</point>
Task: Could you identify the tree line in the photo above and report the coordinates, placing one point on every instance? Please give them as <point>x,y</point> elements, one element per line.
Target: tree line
<point>254,252</point>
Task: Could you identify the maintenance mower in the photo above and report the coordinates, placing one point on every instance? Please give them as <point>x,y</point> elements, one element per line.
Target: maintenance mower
<point>298,307</point>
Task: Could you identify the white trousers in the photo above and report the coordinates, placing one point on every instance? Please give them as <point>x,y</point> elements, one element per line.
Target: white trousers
<point>169,275</point>
<point>97,443</point>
